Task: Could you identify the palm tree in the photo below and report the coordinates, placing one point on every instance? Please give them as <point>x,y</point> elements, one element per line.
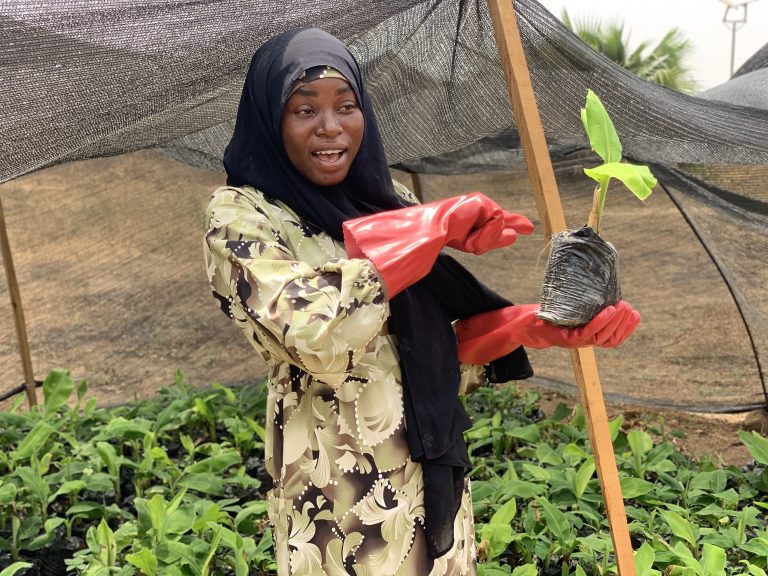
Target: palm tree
<point>665,64</point>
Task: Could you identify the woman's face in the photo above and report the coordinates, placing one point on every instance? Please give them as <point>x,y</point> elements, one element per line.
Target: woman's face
<point>322,128</point>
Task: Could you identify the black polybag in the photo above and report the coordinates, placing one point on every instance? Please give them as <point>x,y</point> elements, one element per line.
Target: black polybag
<point>581,278</point>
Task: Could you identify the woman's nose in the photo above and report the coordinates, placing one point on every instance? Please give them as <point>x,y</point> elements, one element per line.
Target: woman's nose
<point>329,125</point>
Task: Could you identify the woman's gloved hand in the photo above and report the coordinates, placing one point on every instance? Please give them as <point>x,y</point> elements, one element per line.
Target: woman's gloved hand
<point>491,335</point>
<point>403,244</point>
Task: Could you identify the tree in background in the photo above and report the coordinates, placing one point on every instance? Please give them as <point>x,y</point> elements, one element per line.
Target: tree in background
<point>665,64</point>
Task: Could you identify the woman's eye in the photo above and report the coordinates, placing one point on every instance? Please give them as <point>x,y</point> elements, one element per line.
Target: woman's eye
<point>348,107</point>
<point>304,111</point>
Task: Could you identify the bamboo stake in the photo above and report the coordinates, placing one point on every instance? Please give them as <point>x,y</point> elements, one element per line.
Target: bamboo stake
<point>550,211</point>
<point>18,312</point>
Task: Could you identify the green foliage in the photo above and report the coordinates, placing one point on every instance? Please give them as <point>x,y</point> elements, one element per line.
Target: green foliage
<point>667,63</point>
<point>160,487</point>
<point>155,487</point>
<point>605,143</point>
<point>685,517</point>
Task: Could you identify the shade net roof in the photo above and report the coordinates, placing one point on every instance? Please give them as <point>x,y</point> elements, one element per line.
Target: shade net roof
<point>95,78</point>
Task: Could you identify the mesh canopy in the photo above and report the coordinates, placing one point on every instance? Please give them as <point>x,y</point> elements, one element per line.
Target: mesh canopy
<point>93,78</point>
<point>757,61</point>
<point>749,89</point>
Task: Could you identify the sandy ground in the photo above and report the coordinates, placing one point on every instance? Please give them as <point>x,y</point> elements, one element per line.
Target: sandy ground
<point>108,254</point>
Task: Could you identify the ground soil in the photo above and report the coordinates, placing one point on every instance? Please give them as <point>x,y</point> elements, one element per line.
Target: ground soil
<point>108,254</point>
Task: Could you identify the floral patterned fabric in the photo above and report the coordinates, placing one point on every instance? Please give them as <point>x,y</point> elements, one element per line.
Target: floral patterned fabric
<point>346,497</point>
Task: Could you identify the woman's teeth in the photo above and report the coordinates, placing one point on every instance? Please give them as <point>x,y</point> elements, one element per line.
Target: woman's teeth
<point>328,155</point>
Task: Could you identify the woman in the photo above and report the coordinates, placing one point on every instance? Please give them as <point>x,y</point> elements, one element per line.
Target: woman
<point>336,278</point>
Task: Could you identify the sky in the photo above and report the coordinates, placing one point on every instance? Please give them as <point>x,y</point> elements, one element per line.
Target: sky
<point>700,20</point>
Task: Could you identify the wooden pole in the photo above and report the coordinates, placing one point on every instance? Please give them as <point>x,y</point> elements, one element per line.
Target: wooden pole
<point>416,182</point>
<point>18,312</point>
<point>550,211</point>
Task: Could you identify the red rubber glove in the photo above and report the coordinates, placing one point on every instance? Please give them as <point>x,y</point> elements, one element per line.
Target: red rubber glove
<point>485,337</point>
<point>403,244</point>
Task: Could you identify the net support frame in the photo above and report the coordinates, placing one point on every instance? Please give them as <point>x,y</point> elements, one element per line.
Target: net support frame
<point>18,312</point>
<point>549,207</point>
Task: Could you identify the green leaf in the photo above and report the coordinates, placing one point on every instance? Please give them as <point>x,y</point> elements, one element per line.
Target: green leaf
<point>712,560</point>
<point>34,483</point>
<point>528,433</point>
<point>492,569</point>
<point>68,488</point>
<point>157,514</point>
<point>638,179</point>
<point>754,570</point>
<point>144,560</point>
<point>583,476</point>
<point>633,487</point>
<point>506,513</point>
<point>536,472</point>
<point>107,546</point>
<point>712,481</point>
<point>557,523</point>
<point>109,457</point>
<point>640,442</point>
<point>82,388</point>
<point>257,509</point>
<point>238,545</point>
<point>525,570</point>
<point>729,497</point>
<point>99,482</point>
<point>614,426</point>
<point>258,428</point>
<point>89,509</point>
<point>757,446</point>
<point>215,464</point>
<point>497,537</point>
<point>188,443</point>
<point>57,388</point>
<point>180,521</point>
<point>573,454</point>
<point>7,493</point>
<point>211,552</point>
<point>756,546</point>
<point>123,428</point>
<point>683,554</point>
<point>644,558</point>
<point>15,567</point>
<point>680,526</point>
<point>498,532</point>
<point>176,501</point>
<point>126,534</point>
<point>172,552</point>
<point>33,442</point>
<point>600,130</point>
<point>204,482</point>
<point>38,542</point>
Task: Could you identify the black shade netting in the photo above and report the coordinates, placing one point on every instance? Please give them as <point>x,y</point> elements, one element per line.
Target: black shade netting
<point>108,251</point>
<point>92,78</point>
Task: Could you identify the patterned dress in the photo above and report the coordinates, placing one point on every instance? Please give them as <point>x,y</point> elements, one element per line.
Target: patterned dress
<point>346,497</point>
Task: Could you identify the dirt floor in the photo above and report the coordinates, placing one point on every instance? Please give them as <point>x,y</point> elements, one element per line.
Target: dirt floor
<point>108,254</point>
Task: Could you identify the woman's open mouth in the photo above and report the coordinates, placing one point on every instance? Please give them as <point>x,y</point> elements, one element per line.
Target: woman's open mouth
<point>330,157</point>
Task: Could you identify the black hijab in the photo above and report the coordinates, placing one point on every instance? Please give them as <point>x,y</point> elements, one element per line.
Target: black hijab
<point>421,315</point>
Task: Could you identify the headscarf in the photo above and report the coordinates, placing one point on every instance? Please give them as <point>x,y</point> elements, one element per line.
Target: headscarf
<point>421,315</point>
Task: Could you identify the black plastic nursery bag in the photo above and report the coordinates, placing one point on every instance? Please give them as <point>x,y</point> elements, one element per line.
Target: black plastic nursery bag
<point>582,278</point>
